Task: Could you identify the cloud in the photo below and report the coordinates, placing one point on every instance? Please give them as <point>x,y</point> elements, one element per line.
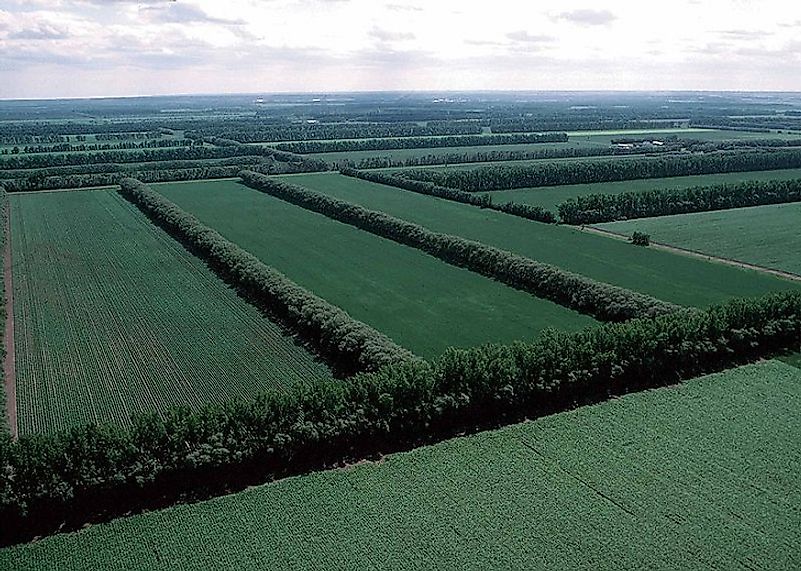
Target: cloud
<point>743,34</point>
<point>389,36</point>
<point>404,8</point>
<point>587,17</point>
<point>39,31</point>
<point>173,12</point>
<point>524,36</point>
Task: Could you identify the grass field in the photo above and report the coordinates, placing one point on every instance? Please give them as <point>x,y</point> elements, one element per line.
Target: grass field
<point>680,279</point>
<point>112,316</point>
<point>421,302</point>
<point>699,476</point>
<point>767,236</point>
<point>550,197</point>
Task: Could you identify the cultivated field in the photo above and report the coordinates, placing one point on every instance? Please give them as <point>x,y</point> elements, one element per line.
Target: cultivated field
<point>422,303</point>
<point>692,282</point>
<point>112,317</point>
<point>685,477</point>
<point>550,197</point>
<point>415,412</point>
<point>768,236</point>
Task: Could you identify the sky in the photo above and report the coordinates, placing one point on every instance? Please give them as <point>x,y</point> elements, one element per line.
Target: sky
<point>82,48</point>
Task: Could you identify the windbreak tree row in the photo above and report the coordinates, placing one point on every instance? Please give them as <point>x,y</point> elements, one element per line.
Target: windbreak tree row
<point>594,208</point>
<point>305,147</point>
<point>134,156</point>
<point>518,124</point>
<point>257,133</point>
<point>529,211</point>
<point>600,300</point>
<point>85,147</point>
<point>349,345</point>
<point>37,182</point>
<point>504,177</point>
<point>48,482</point>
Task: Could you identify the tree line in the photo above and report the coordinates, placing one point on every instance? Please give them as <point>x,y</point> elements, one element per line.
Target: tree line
<point>671,145</point>
<point>57,481</point>
<point>84,147</point>
<point>594,208</point>
<point>309,147</point>
<point>257,133</point>
<point>580,293</point>
<point>303,164</point>
<point>112,174</point>
<point>501,177</point>
<point>349,345</point>
<point>528,211</point>
<point>565,123</point>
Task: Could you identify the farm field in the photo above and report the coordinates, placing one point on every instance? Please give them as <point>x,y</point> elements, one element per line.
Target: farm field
<point>576,139</point>
<point>400,154</point>
<point>605,137</point>
<point>421,302</point>
<point>685,477</point>
<point>113,317</point>
<point>692,282</point>
<point>549,197</point>
<point>767,236</point>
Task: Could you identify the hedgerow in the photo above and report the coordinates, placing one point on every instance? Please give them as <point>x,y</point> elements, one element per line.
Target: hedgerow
<point>349,344</point>
<point>594,208</point>
<point>501,177</point>
<point>528,211</point>
<point>46,481</point>
<point>603,301</point>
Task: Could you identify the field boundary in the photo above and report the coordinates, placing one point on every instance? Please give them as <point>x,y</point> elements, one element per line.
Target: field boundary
<point>698,254</point>
<point>9,360</point>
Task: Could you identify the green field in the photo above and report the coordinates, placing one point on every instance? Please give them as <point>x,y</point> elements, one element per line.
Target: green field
<point>671,277</point>
<point>400,154</point>
<point>767,236</point>
<point>699,476</point>
<point>550,197</point>
<point>576,139</point>
<point>112,316</point>
<point>421,302</point>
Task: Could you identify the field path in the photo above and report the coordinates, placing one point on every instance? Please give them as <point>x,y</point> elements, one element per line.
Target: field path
<point>697,254</point>
<point>9,362</point>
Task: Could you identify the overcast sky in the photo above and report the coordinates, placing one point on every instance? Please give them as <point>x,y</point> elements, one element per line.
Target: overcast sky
<point>68,48</point>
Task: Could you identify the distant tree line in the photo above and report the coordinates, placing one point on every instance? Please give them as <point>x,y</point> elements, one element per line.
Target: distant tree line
<point>303,164</point>
<point>57,481</point>
<point>84,147</point>
<point>528,211</point>
<point>257,133</point>
<point>594,208</point>
<point>671,145</point>
<point>307,147</point>
<point>577,123</point>
<point>500,177</point>
<point>757,124</point>
<point>600,300</point>
<point>105,174</point>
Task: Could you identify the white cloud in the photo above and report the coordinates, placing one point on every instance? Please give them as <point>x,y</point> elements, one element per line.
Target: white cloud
<point>115,47</point>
